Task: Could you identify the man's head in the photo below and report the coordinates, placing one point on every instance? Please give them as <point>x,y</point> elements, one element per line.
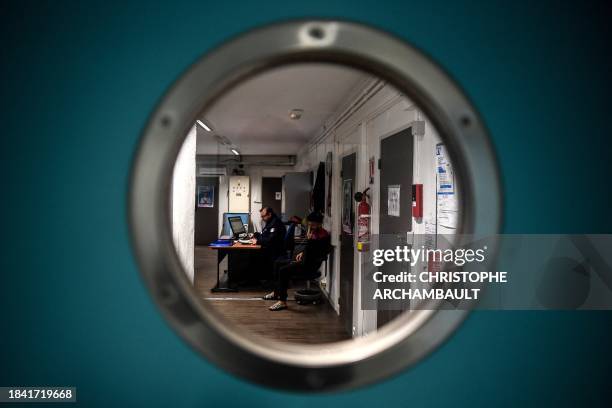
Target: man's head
<point>266,214</point>
<point>315,220</point>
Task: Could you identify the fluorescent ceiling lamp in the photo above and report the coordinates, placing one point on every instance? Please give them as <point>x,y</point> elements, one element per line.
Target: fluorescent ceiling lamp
<point>236,152</point>
<point>203,125</point>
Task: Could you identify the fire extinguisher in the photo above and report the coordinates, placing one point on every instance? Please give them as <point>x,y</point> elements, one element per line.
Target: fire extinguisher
<point>363,221</point>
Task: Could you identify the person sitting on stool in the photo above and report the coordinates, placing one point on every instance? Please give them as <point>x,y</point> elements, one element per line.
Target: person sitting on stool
<point>271,238</point>
<point>306,261</point>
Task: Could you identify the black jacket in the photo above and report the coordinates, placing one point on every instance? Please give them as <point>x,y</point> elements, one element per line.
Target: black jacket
<point>272,237</point>
<point>315,252</point>
<point>318,191</point>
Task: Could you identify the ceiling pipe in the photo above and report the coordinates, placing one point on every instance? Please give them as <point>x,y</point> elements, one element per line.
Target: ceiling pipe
<point>247,160</point>
<point>370,90</point>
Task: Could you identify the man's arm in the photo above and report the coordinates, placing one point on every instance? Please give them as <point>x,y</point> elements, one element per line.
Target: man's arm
<point>277,233</point>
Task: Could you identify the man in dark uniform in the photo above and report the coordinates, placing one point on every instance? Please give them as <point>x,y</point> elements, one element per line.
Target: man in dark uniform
<point>271,239</point>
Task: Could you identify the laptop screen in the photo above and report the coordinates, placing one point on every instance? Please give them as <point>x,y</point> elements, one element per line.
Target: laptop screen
<point>236,225</point>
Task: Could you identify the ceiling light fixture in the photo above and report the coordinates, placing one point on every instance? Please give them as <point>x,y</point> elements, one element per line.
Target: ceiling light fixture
<point>236,152</point>
<point>296,114</point>
<point>206,128</point>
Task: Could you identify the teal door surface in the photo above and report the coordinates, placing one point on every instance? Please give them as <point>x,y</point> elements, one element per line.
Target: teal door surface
<point>78,84</point>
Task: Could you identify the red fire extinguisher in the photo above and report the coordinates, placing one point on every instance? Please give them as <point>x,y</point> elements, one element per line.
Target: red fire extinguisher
<point>363,221</point>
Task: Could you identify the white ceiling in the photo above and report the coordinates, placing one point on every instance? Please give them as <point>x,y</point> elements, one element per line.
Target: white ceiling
<point>254,115</point>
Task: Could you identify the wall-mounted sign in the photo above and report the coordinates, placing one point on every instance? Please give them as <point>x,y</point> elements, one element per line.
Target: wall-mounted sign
<point>393,200</point>
<point>444,172</point>
<point>446,199</point>
<point>278,196</point>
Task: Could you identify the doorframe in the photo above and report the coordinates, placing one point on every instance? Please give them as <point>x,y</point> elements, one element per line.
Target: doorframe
<point>377,356</point>
<point>280,210</point>
<point>380,137</point>
<point>380,140</point>
<point>218,199</point>
<point>338,227</point>
<point>410,233</point>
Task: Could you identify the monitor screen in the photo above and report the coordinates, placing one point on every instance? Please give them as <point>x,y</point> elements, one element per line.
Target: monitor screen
<point>236,225</point>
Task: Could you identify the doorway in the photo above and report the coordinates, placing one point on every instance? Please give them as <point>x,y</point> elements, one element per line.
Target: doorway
<point>271,193</point>
<point>206,228</point>
<point>396,156</point>
<point>347,247</point>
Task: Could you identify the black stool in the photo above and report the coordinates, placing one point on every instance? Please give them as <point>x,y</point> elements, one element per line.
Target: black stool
<point>309,295</point>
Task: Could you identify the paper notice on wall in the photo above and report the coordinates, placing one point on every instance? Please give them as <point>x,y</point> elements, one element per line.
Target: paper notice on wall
<point>444,172</point>
<point>430,234</point>
<point>446,199</point>
<point>447,218</point>
<point>393,201</point>
<point>278,195</point>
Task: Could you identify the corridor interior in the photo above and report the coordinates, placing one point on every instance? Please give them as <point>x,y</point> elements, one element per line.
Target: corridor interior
<point>299,138</point>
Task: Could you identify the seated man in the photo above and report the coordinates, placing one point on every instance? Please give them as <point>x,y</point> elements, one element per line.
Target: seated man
<point>271,239</point>
<point>306,261</point>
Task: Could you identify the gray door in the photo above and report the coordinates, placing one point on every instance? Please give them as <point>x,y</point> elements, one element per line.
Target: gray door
<point>206,228</point>
<point>347,251</point>
<point>296,190</point>
<point>396,155</point>
<point>271,189</point>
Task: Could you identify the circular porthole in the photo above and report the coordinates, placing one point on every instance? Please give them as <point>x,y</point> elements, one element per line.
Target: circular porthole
<point>328,366</point>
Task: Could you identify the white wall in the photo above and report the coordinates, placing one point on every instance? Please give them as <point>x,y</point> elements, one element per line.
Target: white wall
<point>384,114</point>
<point>183,203</point>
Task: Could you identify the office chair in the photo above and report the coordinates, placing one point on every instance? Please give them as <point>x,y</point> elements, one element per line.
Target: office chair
<point>290,240</point>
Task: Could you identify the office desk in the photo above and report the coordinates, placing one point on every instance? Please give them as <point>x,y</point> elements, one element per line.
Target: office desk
<point>222,251</point>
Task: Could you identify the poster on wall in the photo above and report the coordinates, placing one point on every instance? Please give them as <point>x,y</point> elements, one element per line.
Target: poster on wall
<point>347,206</point>
<point>393,200</point>
<point>444,172</point>
<point>206,196</point>
<point>446,199</point>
